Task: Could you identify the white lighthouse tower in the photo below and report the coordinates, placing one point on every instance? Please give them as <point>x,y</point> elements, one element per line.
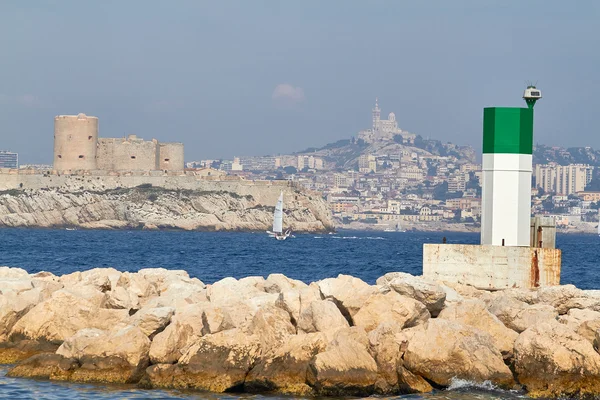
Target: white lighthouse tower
<point>507,169</point>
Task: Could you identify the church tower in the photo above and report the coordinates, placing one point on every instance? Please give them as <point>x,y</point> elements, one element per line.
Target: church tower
<point>376,117</point>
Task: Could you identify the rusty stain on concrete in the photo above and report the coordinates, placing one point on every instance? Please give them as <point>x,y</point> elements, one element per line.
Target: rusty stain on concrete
<point>534,280</point>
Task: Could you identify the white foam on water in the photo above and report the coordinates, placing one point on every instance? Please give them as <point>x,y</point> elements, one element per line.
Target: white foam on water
<point>457,384</point>
<point>485,386</point>
<point>361,238</point>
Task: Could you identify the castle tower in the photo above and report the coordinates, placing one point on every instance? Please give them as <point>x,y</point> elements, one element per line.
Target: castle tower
<point>376,117</point>
<point>75,142</point>
<point>507,168</point>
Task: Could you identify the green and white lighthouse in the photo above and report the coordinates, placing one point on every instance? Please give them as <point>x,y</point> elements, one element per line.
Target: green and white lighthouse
<point>507,168</point>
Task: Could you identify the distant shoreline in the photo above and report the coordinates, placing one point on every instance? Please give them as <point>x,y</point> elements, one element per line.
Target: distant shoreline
<point>583,228</point>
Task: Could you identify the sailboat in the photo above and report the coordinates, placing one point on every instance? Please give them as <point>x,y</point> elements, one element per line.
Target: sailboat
<point>598,229</point>
<point>277,232</point>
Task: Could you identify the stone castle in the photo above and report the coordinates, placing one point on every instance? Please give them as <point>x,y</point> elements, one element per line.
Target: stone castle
<point>77,147</point>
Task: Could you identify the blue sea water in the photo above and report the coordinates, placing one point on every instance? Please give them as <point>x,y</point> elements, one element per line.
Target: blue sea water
<point>211,256</point>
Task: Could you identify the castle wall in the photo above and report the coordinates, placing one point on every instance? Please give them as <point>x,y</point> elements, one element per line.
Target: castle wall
<point>75,138</point>
<point>131,154</point>
<point>102,182</point>
<point>105,154</point>
<point>171,157</point>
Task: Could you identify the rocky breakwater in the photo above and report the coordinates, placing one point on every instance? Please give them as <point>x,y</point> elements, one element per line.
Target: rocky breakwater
<point>159,328</point>
<point>150,207</point>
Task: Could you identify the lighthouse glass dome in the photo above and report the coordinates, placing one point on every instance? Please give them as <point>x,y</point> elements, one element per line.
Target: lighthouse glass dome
<point>532,93</point>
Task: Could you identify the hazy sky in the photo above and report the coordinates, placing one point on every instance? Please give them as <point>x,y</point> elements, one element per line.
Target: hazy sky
<point>264,77</point>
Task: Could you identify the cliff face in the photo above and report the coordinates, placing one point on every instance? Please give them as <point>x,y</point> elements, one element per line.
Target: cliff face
<point>151,207</point>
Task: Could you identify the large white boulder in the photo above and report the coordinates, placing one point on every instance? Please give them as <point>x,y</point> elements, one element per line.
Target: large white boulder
<point>126,342</point>
<point>474,313</point>
<point>272,326</point>
<point>137,286</point>
<point>62,315</point>
<point>427,292</point>
<point>560,297</point>
<point>553,361</point>
<point>296,301</point>
<point>152,320</point>
<point>8,272</point>
<point>391,306</point>
<point>278,283</point>
<point>13,306</point>
<point>229,291</point>
<point>103,279</point>
<point>442,350</point>
<point>345,367</point>
<point>320,316</point>
<point>518,315</point>
<point>15,285</point>
<point>170,344</point>
<point>348,292</point>
<point>285,370</point>
<point>387,348</point>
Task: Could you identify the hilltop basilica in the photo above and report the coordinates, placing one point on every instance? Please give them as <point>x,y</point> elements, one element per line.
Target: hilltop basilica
<point>384,129</point>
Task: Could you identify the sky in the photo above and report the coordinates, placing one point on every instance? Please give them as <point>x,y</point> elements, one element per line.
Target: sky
<point>239,78</point>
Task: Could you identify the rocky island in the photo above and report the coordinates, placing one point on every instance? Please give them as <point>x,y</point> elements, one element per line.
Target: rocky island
<point>159,328</point>
<point>146,202</point>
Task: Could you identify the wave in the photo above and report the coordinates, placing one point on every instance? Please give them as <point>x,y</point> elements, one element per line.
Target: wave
<point>458,384</point>
<point>463,385</point>
<point>357,237</point>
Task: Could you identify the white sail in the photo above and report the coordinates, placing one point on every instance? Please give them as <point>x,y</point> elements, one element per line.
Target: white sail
<point>278,216</point>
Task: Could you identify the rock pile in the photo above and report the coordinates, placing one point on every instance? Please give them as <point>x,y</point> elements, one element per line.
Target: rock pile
<point>160,328</point>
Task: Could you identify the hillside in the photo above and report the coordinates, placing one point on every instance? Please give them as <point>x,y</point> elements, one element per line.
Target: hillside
<point>543,154</point>
<point>344,154</point>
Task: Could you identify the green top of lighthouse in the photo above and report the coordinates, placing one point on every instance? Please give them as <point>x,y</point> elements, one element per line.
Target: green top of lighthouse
<point>531,95</point>
<point>509,130</point>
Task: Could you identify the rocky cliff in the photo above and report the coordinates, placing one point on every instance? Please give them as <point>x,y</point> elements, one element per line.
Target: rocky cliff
<point>150,207</point>
<point>339,336</point>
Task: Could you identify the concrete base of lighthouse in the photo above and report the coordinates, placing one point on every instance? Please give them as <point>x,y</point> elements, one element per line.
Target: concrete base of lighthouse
<point>492,267</point>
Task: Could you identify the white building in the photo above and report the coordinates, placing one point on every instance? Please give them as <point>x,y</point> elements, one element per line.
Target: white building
<point>411,173</point>
<point>384,129</point>
<point>309,162</point>
<point>457,183</point>
<point>563,179</point>
<point>367,163</point>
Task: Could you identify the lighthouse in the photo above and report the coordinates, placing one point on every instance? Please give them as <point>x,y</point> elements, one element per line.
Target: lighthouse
<point>516,251</point>
<point>507,169</point>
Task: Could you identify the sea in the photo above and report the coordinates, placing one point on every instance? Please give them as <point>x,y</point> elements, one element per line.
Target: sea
<point>211,256</point>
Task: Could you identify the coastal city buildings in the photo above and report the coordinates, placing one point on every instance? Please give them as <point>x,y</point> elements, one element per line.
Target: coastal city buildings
<point>414,187</point>
<point>9,159</point>
<point>563,179</point>
<point>393,179</point>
